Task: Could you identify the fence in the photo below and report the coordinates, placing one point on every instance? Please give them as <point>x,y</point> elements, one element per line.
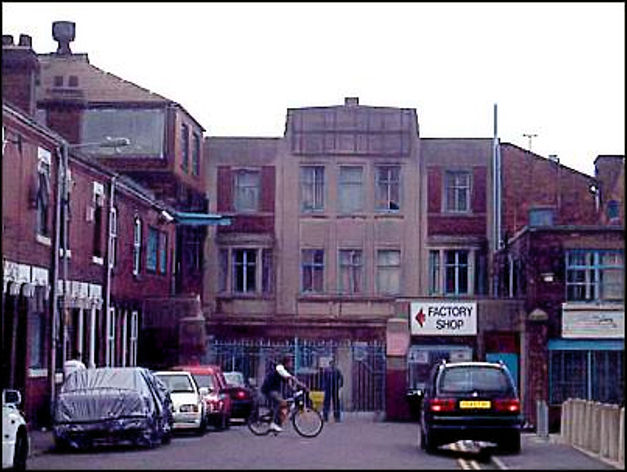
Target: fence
<point>598,428</point>
<point>362,365</point>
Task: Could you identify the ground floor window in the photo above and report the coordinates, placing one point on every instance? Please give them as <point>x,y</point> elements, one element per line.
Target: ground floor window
<point>590,370</point>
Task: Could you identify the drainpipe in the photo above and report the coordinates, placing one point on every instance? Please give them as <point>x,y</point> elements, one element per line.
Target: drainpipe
<point>65,223</point>
<point>54,306</point>
<point>107,301</point>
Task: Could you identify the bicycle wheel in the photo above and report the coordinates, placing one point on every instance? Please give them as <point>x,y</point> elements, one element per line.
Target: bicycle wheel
<point>259,421</point>
<point>307,422</point>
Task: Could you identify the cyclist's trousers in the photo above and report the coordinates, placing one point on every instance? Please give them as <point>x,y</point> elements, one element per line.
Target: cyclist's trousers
<point>275,401</point>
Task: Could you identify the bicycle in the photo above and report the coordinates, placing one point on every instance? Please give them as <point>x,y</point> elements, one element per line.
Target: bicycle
<point>306,420</point>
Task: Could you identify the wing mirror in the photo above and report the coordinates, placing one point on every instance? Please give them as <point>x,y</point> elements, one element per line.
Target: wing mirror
<point>11,397</point>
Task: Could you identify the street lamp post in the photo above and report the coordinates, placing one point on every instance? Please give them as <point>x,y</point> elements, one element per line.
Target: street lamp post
<point>63,201</point>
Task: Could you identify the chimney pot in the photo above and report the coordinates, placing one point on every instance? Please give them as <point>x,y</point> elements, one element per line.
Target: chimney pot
<point>63,32</point>
<point>7,40</point>
<point>351,101</point>
<point>26,40</point>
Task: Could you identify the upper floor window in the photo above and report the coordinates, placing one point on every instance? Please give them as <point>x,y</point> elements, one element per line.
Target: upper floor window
<point>98,209</point>
<point>457,191</point>
<point>541,216</point>
<point>184,147</point>
<point>350,190</point>
<point>152,250</point>
<point>251,270</point>
<point>163,252</point>
<point>192,247</point>
<point>312,188</point>
<point>449,272</point>
<point>351,271</point>
<point>195,154</point>
<point>312,269</point>
<point>612,209</point>
<point>113,237</point>
<point>43,192</point>
<point>389,271</point>
<point>247,184</point>
<point>137,245</point>
<point>244,270</point>
<point>388,188</point>
<point>595,275</point>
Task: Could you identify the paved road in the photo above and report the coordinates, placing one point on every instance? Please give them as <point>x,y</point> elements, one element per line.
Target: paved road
<point>357,443</point>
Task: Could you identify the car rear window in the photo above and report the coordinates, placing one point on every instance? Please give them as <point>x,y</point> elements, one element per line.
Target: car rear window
<point>204,380</point>
<point>470,379</point>
<point>177,383</point>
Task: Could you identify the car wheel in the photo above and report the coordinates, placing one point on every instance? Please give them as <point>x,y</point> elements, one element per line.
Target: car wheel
<point>60,444</point>
<point>21,451</point>
<point>227,422</point>
<point>427,442</point>
<point>511,445</point>
<point>166,433</point>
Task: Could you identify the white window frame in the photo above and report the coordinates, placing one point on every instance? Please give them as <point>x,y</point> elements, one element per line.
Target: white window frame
<point>345,185</point>
<point>312,176</point>
<point>245,191</point>
<point>452,182</point>
<point>389,267</point>
<point>355,271</point>
<point>124,335</point>
<point>113,236</point>
<point>314,267</point>
<point>110,338</point>
<point>385,184</point>
<point>137,245</point>
<point>132,357</point>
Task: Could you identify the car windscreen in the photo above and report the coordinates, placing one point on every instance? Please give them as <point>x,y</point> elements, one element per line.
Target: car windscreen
<point>474,379</point>
<point>234,378</point>
<point>177,383</point>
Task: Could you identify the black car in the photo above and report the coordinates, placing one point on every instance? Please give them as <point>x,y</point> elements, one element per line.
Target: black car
<point>470,400</point>
<point>112,404</point>
<point>241,393</point>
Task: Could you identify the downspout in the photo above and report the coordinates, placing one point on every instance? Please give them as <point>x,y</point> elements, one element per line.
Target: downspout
<point>107,303</point>
<point>496,181</point>
<point>54,308</point>
<point>66,284</point>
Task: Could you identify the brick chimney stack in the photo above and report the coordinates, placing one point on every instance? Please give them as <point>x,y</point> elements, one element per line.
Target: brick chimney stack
<point>20,68</point>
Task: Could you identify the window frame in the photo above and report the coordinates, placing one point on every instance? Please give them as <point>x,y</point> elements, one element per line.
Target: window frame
<point>316,182</point>
<point>345,186</point>
<point>397,267</point>
<point>44,168</point>
<point>354,270</point>
<point>457,189</point>
<point>241,189</point>
<point>593,269</point>
<point>314,268</point>
<point>152,252</point>
<point>137,245</point>
<point>386,185</point>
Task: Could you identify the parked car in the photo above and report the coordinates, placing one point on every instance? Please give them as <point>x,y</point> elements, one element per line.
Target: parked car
<point>189,407</point>
<point>15,437</point>
<point>216,396</point>
<point>112,404</point>
<point>470,400</point>
<point>241,393</point>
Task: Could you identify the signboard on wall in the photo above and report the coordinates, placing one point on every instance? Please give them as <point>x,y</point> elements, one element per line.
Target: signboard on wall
<point>443,318</point>
<point>593,323</point>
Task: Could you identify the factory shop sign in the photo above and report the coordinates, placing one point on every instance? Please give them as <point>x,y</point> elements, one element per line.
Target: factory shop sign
<point>443,318</point>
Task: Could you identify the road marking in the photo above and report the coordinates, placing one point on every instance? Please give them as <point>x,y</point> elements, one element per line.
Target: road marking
<point>499,463</point>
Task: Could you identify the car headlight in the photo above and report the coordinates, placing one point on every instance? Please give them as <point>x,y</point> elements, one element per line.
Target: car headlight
<point>188,408</point>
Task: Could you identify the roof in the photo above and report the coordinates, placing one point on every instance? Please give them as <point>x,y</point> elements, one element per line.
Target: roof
<point>199,369</point>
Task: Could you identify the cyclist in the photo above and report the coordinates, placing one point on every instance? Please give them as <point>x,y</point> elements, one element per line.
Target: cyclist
<point>278,374</point>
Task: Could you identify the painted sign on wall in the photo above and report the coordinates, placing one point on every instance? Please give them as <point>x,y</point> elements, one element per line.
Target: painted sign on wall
<point>443,318</point>
<point>593,323</point>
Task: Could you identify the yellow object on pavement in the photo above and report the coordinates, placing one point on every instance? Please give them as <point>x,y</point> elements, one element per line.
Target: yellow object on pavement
<point>317,399</point>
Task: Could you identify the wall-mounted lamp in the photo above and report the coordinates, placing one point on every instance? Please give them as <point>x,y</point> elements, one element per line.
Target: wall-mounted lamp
<point>166,216</point>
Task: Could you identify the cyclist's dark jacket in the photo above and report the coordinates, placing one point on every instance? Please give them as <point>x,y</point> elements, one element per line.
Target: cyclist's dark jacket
<point>272,381</point>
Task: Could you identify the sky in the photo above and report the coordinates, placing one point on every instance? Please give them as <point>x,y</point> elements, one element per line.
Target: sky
<point>556,71</point>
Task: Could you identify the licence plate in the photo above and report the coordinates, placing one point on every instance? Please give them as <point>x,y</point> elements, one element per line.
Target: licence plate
<point>466,404</point>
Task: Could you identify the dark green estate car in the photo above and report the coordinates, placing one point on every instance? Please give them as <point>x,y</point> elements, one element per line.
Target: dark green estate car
<point>470,400</point>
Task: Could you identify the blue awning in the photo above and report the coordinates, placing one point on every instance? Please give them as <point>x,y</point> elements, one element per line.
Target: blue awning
<point>586,345</point>
<point>200,219</point>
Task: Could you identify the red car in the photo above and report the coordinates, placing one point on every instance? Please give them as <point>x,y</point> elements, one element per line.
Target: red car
<point>242,395</point>
<point>214,390</point>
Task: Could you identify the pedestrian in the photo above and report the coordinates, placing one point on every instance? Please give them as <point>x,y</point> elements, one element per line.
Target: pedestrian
<point>332,381</point>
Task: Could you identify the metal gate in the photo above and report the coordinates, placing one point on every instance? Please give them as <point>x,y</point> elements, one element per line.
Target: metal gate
<point>362,365</point>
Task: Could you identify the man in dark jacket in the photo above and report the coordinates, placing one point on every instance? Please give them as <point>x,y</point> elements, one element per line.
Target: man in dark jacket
<point>332,381</point>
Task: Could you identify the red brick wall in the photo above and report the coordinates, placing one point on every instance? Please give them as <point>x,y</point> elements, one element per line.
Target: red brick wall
<point>65,121</point>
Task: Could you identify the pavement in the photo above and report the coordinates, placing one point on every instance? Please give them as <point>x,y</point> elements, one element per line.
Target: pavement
<point>42,442</point>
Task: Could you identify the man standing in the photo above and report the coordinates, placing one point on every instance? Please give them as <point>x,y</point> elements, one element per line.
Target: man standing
<point>332,381</point>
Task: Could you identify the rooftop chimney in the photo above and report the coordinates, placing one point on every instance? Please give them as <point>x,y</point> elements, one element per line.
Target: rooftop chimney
<point>351,101</point>
<point>7,40</point>
<point>63,32</point>
<point>26,40</point>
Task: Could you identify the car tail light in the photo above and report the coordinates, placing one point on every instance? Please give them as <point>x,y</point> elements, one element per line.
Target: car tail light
<point>442,404</point>
<point>511,405</point>
<point>241,394</point>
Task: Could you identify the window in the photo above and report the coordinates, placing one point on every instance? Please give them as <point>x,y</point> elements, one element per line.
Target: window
<point>132,351</point>
<point>110,348</point>
<point>37,329</point>
<point>312,188</point>
<point>43,192</point>
<point>246,190</point>
<point>457,185</point>
<point>351,271</point>
<point>388,188</point>
<point>223,261</point>
<point>98,206</point>
<point>195,154</point>
<point>185,147</point>
<point>455,279</point>
<point>192,246</point>
<point>612,209</point>
<point>541,217</point>
<point>113,237</point>
<point>145,130</point>
<point>137,245</point>
<point>152,249</point>
<point>594,275</point>
<point>389,272</point>
<point>350,189</point>
<point>244,270</point>
<point>267,271</point>
<point>163,252</point>
<point>595,375</point>
<point>312,270</point>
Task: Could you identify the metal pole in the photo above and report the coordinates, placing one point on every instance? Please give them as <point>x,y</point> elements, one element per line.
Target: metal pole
<point>109,267</point>
<point>65,222</point>
<point>54,308</point>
